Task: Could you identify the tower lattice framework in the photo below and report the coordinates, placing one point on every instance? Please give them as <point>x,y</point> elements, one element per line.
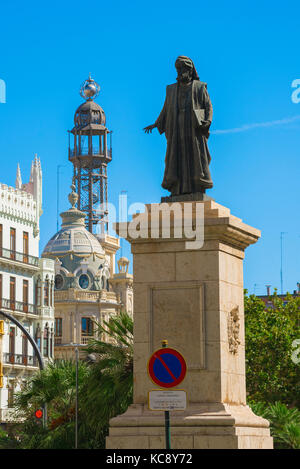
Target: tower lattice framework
<point>90,156</point>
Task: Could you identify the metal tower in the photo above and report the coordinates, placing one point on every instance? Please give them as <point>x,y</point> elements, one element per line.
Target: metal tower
<point>90,155</point>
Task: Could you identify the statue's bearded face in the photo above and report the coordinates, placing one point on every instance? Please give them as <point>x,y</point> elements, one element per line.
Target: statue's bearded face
<point>184,72</point>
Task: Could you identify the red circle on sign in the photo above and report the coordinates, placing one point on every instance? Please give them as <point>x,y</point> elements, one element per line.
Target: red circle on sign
<point>158,355</point>
<point>39,414</point>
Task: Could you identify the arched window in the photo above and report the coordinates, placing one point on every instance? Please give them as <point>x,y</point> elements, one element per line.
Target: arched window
<point>24,349</point>
<point>12,344</point>
<point>51,342</point>
<point>38,337</point>
<point>59,282</point>
<point>46,292</point>
<point>38,291</point>
<point>51,292</point>
<point>11,393</point>
<point>46,341</point>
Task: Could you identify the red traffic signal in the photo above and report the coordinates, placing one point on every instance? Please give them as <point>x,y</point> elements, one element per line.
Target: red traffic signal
<point>39,414</point>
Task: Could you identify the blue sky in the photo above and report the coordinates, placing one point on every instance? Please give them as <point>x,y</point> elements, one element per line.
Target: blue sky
<point>247,52</point>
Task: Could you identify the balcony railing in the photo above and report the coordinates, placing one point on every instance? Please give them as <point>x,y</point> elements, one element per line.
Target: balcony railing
<point>85,338</point>
<point>17,359</point>
<point>19,256</point>
<point>102,295</point>
<point>94,150</point>
<point>57,340</point>
<point>17,306</point>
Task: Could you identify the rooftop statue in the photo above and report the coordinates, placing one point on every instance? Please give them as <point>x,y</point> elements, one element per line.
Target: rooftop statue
<point>185,119</point>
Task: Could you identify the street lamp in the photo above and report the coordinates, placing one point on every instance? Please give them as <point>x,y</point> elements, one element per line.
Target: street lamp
<point>76,393</point>
<point>36,349</point>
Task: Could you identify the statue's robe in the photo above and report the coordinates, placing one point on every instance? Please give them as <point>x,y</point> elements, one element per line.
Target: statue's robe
<point>187,157</point>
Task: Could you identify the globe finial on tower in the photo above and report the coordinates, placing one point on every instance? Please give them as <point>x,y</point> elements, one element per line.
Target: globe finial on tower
<point>89,89</point>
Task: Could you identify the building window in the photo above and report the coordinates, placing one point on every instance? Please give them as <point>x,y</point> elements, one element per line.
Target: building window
<point>51,342</point>
<point>87,326</point>
<point>38,337</point>
<point>58,327</point>
<point>46,293</point>
<point>1,375</point>
<point>25,296</point>
<point>59,282</point>
<point>87,330</point>
<point>24,349</point>
<point>84,281</point>
<point>46,342</point>
<point>1,239</point>
<point>25,246</point>
<point>51,292</point>
<point>13,243</point>
<point>11,394</point>
<point>57,331</point>
<point>12,344</point>
<point>38,292</point>
<point>0,290</point>
<point>12,292</point>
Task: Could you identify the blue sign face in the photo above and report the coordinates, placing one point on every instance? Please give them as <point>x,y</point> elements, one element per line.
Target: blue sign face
<point>167,367</point>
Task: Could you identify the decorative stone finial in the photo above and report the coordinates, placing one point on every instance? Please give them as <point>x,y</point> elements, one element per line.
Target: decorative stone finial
<point>123,264</point>
<point>18,178</point>
<point>73,196</point>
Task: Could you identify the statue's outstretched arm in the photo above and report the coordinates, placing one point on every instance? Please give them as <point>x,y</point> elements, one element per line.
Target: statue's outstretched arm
<point>160,122</point>
<point>149,128</point>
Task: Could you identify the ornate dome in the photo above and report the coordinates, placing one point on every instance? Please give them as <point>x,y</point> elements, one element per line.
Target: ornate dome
<point>89,112</point>
<point>73,236</point>
<point>80,260</point>
<point>75,239</point>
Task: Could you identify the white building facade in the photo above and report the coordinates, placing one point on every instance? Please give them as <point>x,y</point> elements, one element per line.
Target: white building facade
<point>26,287</point>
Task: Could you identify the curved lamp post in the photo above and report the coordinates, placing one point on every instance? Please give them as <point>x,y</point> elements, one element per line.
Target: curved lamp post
<point>36,349</point>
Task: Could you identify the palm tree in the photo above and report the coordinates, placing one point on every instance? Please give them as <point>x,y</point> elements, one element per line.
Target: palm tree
<point>105,390</point>
<point>108,389</point>
<point>284,423</point>
<point>55,386</point>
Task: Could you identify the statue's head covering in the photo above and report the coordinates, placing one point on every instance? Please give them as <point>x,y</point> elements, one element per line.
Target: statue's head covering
<point>187,61</point>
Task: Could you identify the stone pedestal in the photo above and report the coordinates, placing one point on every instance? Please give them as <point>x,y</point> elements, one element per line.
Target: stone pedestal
<point>194,299</point>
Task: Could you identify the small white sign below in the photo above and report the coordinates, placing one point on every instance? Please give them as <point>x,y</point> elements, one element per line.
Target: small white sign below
<point>167,400</point>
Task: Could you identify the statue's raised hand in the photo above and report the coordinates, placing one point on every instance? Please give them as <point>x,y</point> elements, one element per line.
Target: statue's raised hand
<point>149,128</point>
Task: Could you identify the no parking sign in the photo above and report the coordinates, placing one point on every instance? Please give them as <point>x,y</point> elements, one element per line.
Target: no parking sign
<point>167,367</point>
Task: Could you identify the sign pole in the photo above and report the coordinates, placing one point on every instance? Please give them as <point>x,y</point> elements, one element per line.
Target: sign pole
<point>167,415</point>
<point>167,368</point>
<point>167,429</point>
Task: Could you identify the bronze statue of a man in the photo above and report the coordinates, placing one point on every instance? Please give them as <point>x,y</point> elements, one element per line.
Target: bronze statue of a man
<point>185,119</point>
